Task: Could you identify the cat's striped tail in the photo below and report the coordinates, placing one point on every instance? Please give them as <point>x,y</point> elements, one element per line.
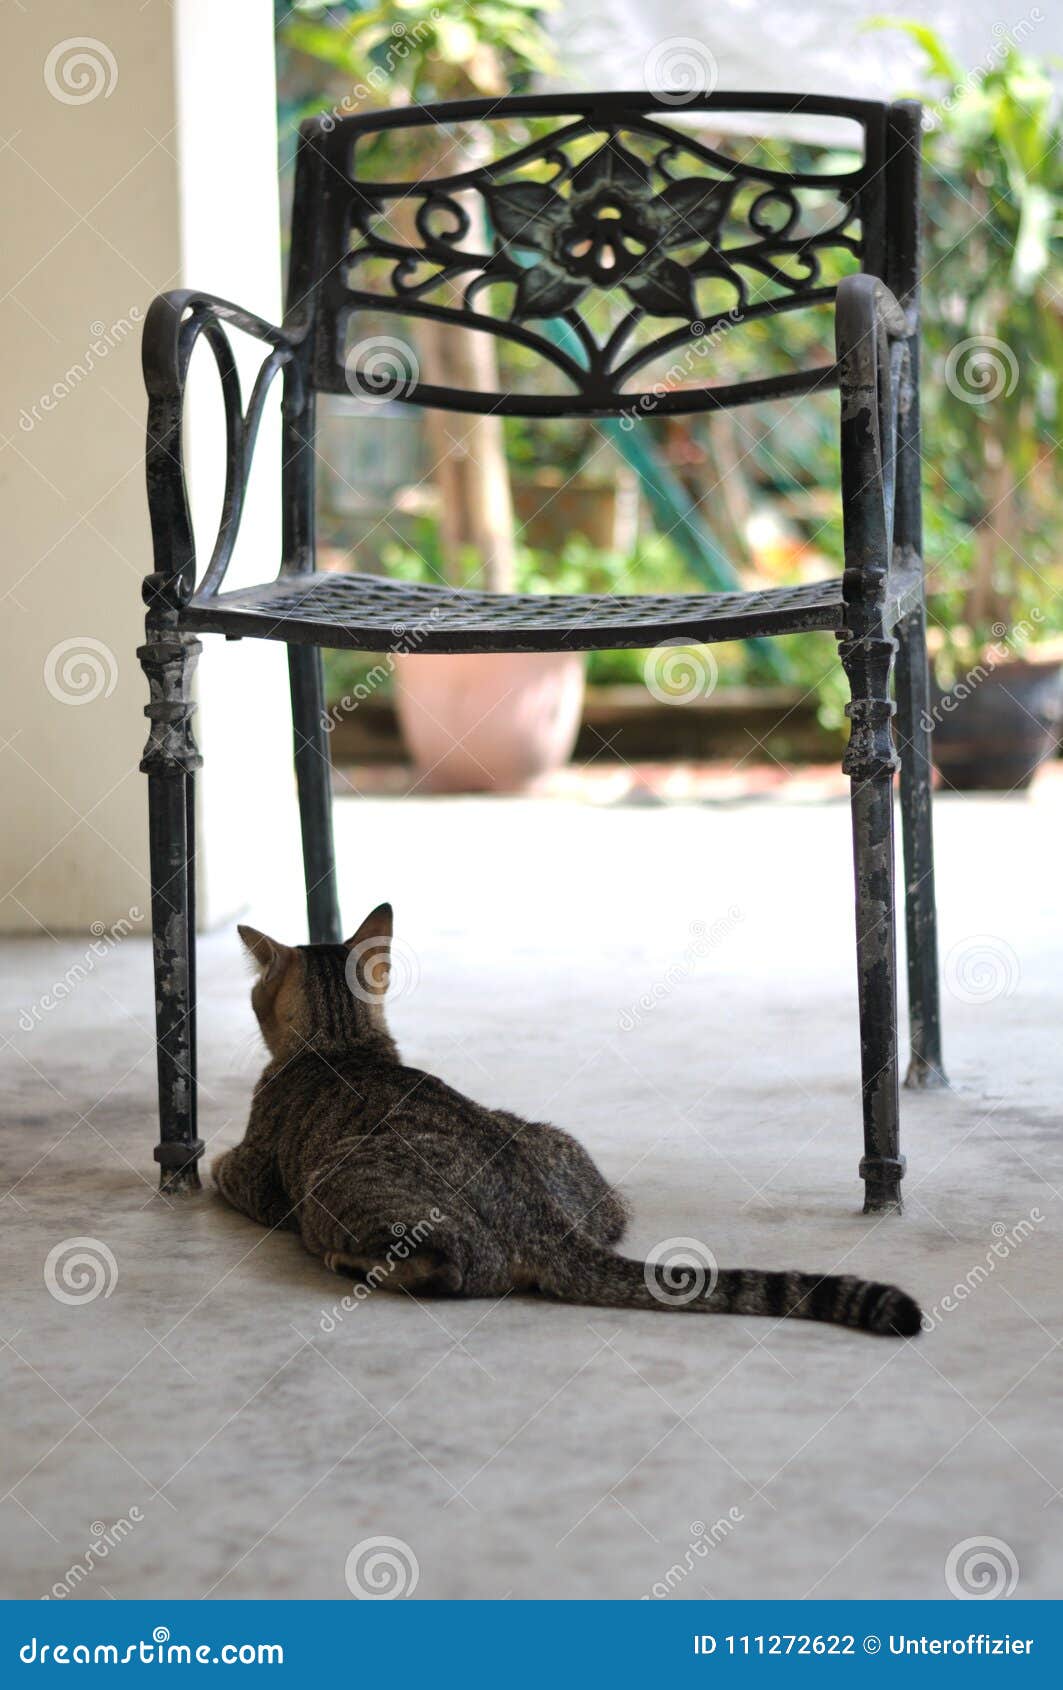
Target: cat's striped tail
<point>587,1274</point>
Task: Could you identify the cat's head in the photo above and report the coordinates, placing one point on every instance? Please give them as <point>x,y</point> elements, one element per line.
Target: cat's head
<point>322,997</point>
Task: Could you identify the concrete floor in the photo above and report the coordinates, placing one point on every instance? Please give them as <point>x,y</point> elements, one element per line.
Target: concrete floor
<point>675,985</point>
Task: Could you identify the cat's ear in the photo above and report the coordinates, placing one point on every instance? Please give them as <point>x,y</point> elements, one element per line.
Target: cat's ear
<point>271,957</point>
<point>370,953</point>
<point>377,925</point>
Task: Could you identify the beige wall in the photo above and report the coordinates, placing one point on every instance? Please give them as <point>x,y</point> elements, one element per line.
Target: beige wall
<point>164,177</point>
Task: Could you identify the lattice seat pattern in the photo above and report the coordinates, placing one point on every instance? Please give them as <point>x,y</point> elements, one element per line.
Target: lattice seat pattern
<point>369,613</point>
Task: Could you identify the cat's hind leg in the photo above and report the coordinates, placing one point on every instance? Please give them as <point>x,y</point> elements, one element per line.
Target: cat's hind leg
<point>573,1179</point>
<point>381,1214</point>
<point>424,1270</point>
<point>606,1219</point>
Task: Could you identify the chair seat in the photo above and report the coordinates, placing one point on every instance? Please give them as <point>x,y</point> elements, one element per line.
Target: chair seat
<point>368,613</point>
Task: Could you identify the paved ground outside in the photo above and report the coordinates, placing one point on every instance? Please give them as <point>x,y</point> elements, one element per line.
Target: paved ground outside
<point>674,982</point>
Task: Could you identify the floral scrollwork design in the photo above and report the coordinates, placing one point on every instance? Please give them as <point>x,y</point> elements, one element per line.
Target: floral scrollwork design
<point>612,229</point>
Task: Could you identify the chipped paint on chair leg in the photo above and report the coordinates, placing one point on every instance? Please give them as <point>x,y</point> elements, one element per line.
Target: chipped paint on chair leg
<point>870,761</point>
<point>925,1067</point>
<point>170,760</point>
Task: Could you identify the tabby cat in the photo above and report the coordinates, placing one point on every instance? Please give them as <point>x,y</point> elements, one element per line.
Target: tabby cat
<point>353,1150</point>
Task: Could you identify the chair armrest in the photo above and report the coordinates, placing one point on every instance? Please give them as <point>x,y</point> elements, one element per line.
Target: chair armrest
<point>874,336</point>
<point>174,323</point>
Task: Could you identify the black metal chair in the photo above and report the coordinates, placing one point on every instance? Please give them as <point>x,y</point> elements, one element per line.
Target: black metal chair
<point>587,207</point>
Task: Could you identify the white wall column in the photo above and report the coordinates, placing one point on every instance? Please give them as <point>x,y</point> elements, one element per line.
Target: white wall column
<point>135,160</point>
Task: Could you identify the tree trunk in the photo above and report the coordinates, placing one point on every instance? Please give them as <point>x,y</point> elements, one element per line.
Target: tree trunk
<point>468,452</point>
<point>468,460</point>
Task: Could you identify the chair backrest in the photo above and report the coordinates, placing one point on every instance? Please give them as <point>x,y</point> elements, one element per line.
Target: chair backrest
<point>610,246</point>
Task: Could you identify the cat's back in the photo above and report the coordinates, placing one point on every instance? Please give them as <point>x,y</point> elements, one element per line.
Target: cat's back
<point>318,1098</point>
<point>418,1107</point>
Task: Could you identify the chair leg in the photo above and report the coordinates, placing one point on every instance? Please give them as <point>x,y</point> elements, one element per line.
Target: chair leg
<point>870,762</point>
<point>170,760</point>
<point>312,774</point>
<point>925,1067</point>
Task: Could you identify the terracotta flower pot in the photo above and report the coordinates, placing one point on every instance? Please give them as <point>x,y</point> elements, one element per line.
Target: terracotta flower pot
<point>488,722</point>
<point>550,510</point>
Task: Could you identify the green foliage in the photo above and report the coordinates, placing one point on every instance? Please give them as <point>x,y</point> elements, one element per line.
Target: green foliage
<point>423,49</point>
<point>564,443</point>
<point>993,336</point>
<point>655,566</point>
